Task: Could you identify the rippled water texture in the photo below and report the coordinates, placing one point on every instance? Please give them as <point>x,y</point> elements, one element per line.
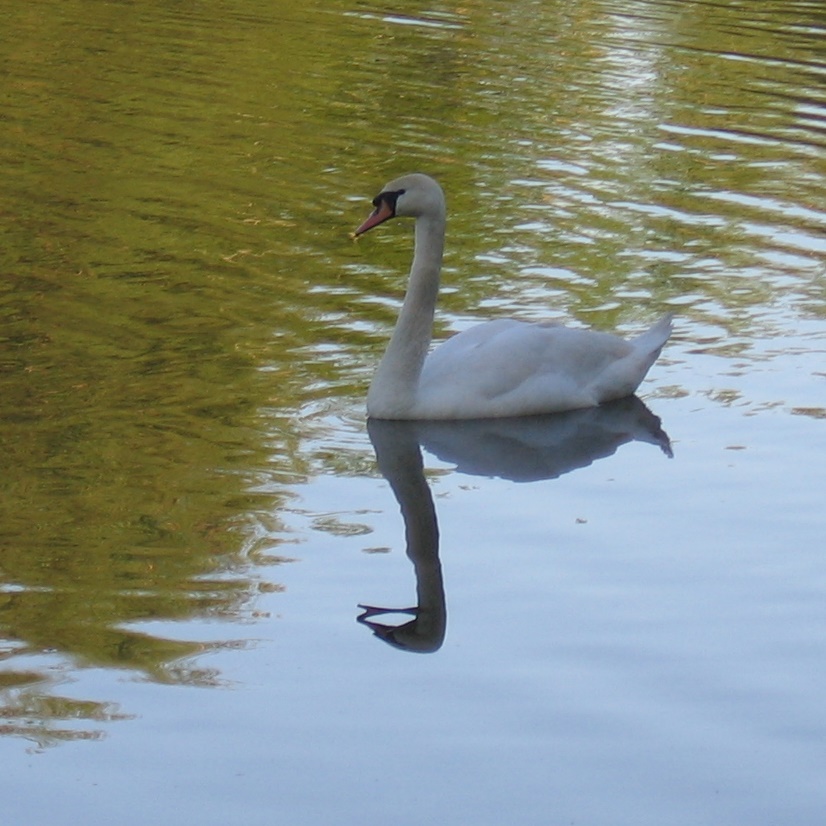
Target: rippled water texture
<point>193,508</point>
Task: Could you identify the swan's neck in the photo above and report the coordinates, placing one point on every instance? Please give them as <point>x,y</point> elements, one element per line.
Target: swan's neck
<point>393,390</point>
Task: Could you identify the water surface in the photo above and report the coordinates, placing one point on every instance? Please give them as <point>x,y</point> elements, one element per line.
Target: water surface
<point>192,508</point>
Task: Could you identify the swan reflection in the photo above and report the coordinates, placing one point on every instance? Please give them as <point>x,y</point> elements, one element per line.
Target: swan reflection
<point>522,449</point>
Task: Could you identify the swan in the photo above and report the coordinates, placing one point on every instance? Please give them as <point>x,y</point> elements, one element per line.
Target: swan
<point>503,367</point>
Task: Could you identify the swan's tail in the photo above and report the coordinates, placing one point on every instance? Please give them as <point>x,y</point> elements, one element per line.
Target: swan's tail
<point>652,340</point>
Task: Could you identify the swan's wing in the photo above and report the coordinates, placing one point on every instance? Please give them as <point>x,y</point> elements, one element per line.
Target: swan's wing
<point>506,365</point>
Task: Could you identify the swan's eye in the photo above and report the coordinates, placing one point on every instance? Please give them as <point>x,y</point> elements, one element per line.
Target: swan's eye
<point>389,197</point>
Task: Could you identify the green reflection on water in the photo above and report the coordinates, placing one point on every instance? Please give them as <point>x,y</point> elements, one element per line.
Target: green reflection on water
<point>149,275</point>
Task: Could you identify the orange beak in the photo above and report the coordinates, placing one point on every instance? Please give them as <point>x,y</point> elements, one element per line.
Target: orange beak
<point>379,215</point>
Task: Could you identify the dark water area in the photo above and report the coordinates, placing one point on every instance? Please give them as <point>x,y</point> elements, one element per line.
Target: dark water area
<point>192,508</point>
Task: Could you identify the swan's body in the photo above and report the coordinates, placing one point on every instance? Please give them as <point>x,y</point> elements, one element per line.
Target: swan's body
<point>499,368</point>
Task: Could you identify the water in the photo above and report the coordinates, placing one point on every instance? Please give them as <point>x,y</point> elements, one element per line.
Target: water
<point>192,509</point>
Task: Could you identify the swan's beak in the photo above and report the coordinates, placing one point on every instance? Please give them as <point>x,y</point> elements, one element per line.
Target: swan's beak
<point>379,215</point>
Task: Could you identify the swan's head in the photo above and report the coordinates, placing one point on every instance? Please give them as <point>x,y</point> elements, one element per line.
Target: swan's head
<point>413,196</point>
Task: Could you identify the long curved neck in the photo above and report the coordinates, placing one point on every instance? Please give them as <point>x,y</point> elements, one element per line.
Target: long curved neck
<point>393,390</point>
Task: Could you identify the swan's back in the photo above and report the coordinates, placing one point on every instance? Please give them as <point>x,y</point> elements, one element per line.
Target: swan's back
<point>511,368</point>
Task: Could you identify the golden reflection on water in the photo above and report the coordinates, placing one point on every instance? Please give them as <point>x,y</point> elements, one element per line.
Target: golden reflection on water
<point>183,313</point>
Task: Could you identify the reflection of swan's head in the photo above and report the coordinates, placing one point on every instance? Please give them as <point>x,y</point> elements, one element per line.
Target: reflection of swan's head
<point>411,196</point>
<point>422,635</point>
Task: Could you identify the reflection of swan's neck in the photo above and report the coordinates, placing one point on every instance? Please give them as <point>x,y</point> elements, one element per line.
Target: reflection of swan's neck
<point>421,530</point>
<point>400,462</point>
<point>394,386</point>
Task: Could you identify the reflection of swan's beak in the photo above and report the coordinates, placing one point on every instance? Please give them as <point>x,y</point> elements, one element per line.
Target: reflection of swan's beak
<point>372,610</point>
<point>381,629</point>
<point>408,636</point>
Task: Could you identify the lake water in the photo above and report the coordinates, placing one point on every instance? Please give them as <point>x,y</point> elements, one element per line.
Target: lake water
<point>193,510</point>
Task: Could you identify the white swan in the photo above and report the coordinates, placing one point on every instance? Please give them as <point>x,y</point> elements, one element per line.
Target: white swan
<point>499,368</point>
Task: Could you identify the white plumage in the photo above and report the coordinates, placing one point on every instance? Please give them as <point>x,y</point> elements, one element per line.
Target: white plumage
<point>503,367</point>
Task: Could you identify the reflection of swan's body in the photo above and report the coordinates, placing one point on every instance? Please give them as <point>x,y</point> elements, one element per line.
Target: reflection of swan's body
<point>503,367</point>
<point>522,449</point>
<point>531,448</point>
